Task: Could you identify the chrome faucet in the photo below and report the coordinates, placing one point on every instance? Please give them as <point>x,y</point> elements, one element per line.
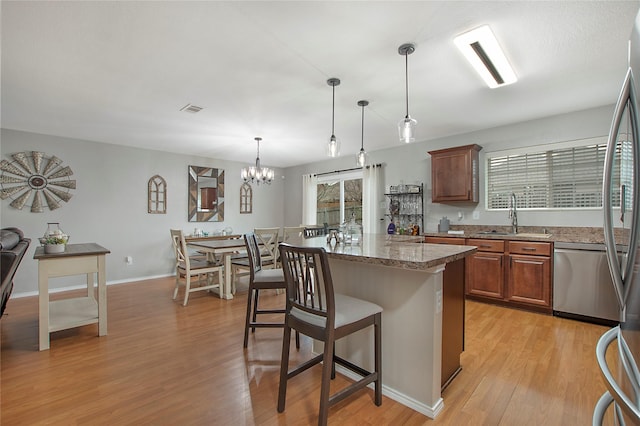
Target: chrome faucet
<point>513,213</point>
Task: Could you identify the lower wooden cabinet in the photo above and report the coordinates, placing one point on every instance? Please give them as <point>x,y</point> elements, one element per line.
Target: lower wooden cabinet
<point>511,272</point>
<point>485,269</point>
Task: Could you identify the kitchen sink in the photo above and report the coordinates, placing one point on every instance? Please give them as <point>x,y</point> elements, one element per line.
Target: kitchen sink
<point>493,233</point>
<point>532,235</point>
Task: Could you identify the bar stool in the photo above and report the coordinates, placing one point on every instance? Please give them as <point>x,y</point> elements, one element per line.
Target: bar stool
<point>261,279</point>
<point>315,310</point>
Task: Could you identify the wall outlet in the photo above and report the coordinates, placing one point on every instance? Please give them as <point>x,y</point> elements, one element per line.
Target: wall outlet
<point>128,260</point>
<point>438,301</point>
<point>476,215</point>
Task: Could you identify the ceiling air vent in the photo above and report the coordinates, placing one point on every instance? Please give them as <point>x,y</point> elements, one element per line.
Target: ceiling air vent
<point>191,108</point>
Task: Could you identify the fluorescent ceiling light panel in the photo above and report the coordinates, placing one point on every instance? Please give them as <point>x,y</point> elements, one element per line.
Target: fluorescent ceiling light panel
<point>482,50</point>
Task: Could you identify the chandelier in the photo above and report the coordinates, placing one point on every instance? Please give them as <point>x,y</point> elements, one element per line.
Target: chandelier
<point>256,173</point>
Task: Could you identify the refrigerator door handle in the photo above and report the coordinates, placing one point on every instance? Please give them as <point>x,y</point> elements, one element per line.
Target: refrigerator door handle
<point>616,393</point>
<point>619,277</point>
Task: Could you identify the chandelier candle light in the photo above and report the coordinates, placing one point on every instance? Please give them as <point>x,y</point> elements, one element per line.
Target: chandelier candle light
<point>407,126</point>
<point>361,157</point>
<point>333,147</point>
<point>256,173</point>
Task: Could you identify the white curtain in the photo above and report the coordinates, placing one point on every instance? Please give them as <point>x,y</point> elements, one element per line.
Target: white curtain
<point>371,193</point>
<point>309,199</point>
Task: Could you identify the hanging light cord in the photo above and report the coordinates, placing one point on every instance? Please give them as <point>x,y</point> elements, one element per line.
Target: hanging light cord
<point>362,133</point>
<point>333,109</point>
<point>406,79</point>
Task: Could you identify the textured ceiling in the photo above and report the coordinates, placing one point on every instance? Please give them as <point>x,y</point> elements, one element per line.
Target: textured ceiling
<point>119,72</point>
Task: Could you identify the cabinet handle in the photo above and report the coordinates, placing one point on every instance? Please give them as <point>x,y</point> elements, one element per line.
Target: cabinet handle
<point>485,246</point>
<point>528,249</point>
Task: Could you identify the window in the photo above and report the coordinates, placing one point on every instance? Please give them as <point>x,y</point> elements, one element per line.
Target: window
<point>339,196</point>
<point>560,178</point>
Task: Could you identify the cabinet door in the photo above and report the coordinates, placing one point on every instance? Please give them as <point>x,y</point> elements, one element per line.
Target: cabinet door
<point>485,275</point>
<point>529,280</point>
<point>454,174</point>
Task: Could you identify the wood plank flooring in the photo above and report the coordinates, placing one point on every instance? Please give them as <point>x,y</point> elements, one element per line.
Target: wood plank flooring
<point>165,364</point>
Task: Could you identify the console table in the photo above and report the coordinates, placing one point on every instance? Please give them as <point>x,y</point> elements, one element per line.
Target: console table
<point>77,259</point>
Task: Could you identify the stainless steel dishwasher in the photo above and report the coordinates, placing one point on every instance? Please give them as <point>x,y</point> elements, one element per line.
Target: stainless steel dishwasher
<point>582,287</point>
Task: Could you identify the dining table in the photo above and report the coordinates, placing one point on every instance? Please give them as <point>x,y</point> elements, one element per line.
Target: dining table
<point>225,248</point>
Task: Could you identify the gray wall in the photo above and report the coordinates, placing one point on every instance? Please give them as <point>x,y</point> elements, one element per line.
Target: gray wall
<point>109,206</point>
<point>412,164</point>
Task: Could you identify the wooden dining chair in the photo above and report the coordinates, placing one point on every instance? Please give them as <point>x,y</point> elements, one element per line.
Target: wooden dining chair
<point>315,310</point>
<point>289,232</point>
<point>268,238</point>
<point>188,267</point>
<point>261,279</point>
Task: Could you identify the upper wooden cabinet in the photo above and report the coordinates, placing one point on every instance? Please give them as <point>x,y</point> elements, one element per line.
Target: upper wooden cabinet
<point>455,174</point>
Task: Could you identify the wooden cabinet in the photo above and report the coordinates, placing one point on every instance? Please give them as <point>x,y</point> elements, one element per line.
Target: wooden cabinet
<point>453,279</point>
<point>485,269</point>
<point>515,273</point>
<point>455,174</point>
<point>529,273</point>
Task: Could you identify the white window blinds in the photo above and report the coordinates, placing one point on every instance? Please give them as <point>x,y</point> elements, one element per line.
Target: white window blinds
<point>568,177</point>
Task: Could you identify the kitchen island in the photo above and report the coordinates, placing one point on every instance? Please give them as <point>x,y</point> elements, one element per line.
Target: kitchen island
<point>404,276</point>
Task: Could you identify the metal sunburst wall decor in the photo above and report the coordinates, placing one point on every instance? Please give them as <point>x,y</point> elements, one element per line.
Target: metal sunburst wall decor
<point>32,176</point>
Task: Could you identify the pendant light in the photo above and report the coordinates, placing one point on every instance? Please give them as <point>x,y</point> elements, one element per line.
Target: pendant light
<point>333,147</point>
<point>256,173</point>
<point>407,126</point>
<point>361,157</point>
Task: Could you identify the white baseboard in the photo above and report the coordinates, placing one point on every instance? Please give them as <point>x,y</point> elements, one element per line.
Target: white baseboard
<point>81,286</point>
<point>420,407</point>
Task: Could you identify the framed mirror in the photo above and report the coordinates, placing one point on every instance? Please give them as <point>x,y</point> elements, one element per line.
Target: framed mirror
<point>206,194</point>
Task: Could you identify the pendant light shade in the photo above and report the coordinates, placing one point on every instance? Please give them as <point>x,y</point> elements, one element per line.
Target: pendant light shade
<point>333,147</point>
<point>407,126</point>
<point>362,156</point>
<point>257,173</point>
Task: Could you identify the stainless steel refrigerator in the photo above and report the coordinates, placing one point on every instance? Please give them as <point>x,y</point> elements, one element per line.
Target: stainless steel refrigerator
<point>621,189</point>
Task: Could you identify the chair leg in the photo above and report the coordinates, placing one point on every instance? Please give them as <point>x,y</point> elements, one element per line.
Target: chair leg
<point>254,316</point>
<point>187,287</point>
<point>175,292</point>
<point>284,368</point>
<point>378,358</point>
<point>333,362</point>
<point>248,316</point>
<point>327,368</point>
<point>297,339</point>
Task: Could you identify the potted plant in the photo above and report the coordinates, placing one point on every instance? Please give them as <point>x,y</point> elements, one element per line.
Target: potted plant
<point>54,243</point>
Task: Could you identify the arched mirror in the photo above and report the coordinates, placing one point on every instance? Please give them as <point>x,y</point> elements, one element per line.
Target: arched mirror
<point>206,194</point>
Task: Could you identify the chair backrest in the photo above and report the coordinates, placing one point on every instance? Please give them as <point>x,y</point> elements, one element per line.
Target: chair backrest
<point>179,247</point>
<point>291,231</point>
<point>310,296</point>
<point>268,237</point>
<point>253,253</point>
<point>314,231</point>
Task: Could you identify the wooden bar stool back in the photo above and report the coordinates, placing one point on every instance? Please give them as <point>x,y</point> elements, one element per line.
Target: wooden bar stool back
<point>315,310</point>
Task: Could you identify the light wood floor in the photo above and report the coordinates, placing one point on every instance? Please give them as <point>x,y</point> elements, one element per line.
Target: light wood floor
<point>165,364</point>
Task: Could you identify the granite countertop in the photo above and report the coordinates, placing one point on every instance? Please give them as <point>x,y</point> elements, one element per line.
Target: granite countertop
<point>399,251</point>
<point>532,233</point>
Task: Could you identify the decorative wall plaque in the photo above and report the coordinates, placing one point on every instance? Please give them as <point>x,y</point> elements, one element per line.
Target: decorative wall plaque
<point>32,176</point>
<point>157,195</point>
<point>246,198</point>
